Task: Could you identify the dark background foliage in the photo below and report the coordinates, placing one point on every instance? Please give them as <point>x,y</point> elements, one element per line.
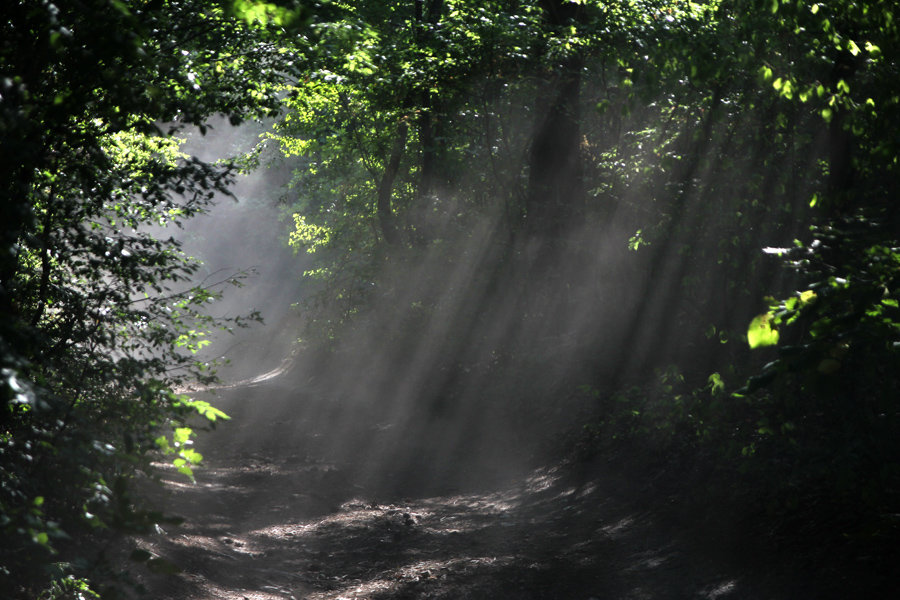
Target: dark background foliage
<point>100,318</point>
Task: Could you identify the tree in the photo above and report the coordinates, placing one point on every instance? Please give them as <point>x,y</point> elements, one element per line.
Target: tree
<point>100,320</point>
<point>385,121</point>
<point>770,151</point>
<point>555,173</point>
<point>713,129</point>
<point>827,391</point>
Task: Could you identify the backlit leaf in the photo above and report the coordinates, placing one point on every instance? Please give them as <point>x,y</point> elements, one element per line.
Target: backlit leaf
<point>761,333</point>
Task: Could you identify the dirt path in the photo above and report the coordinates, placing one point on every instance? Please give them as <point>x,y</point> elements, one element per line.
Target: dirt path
<point>274,515</point>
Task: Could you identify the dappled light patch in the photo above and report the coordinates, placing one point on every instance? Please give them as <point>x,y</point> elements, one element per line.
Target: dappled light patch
<point>721,590</point>
<point>541,480</point>
<point>281,523</point>
<point>423,576</point>
<point>220,593</point>
<point>619,528</point>
<point>649,559</point>
<point>222,545</point>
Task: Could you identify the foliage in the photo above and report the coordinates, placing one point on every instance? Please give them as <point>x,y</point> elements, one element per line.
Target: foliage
<point>411,124</point>
<point>811,435</point>
<point>100,322</point>
<point>826,400</point>
<point>484,147</point>
<point>715,127</point>
<point>830,400</point>
<point>714,130</point>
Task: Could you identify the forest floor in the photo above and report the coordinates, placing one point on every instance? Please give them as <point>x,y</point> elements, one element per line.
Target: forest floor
<point>277,513</point>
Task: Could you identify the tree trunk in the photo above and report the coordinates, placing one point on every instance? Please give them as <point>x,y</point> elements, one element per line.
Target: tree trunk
<point>386,185</point>
<point>426,19</point>
<point>555,189</point>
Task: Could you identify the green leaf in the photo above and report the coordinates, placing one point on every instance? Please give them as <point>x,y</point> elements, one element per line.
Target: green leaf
<point>182,435</point>
<point>203,408</point>
<point>41,538</point>
<point>761,333</point>
<point>192,456</point>
<point>716,384</point>
<point>807,297</point>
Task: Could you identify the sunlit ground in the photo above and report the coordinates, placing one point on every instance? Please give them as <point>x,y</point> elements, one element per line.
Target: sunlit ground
<point>281,525</point>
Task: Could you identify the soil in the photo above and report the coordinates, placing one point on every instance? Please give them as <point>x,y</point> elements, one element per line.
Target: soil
<point>282,510</point>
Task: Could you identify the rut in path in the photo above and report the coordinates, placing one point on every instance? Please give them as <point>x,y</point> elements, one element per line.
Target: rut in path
<point>278,513</point>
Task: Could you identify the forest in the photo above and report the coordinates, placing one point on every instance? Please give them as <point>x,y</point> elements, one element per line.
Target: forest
<point>645,241</point>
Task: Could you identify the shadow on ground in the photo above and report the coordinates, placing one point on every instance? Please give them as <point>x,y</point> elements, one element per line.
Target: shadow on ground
<point>280,512</point>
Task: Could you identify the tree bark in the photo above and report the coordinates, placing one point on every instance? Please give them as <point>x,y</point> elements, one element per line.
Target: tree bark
<point>555,189</point>
<point>386,185</point>
<point>426,16</point>
<point>841,173</point>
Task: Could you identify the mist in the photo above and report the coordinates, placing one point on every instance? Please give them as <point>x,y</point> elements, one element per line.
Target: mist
<point>542,299</point>
<point>476,373</point>
<point>464,369</point>
<point>241,243</point>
